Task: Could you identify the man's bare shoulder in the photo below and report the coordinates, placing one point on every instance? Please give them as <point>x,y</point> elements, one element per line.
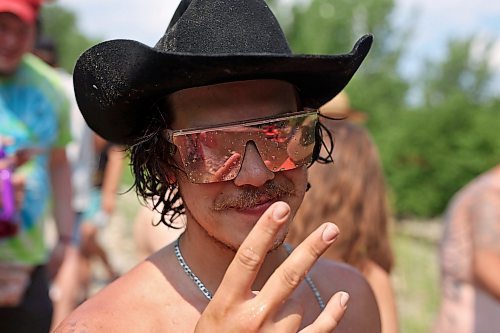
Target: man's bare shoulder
<point>343,275</point>
<point>362,314</point>
<point>131,303</point>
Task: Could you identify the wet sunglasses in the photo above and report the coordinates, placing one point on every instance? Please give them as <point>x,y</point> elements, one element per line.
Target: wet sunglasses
<point>215,154</point>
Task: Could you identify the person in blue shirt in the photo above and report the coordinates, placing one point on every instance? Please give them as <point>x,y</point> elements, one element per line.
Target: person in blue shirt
<point>32,97</point>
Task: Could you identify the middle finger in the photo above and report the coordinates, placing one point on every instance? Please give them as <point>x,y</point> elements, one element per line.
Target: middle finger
<point>293,270</point>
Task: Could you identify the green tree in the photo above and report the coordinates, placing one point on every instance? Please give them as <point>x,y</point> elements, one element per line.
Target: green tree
<point>458,74</point>
<point>450,138</point>
<point>60,24</point>
<point>332,26</point>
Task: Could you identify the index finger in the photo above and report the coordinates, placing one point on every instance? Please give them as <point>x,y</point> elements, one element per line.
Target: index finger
<point>245,266</point>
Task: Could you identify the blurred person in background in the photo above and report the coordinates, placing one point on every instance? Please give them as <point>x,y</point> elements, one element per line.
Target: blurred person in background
<point>352,194</point>
<point>96,172</point>
<point>105,184</point>
<point>470,259</point>
<point>31,94</point>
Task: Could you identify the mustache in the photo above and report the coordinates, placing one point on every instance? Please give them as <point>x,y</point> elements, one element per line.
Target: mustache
<point>249,197</point>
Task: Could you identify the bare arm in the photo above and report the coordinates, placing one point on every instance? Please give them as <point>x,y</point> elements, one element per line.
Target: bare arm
<point>487,271</point>
<point>62,192</point>
<point>486,220</point>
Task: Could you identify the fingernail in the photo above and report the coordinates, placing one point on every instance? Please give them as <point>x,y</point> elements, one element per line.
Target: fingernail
<point>330,233</point>
<point>280,211</point>
<point>344,298</point>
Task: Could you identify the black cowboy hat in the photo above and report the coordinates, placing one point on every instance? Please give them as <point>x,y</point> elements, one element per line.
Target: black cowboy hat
<point>207,42</point>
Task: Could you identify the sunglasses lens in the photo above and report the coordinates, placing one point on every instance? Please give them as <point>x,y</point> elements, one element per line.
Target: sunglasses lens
<point>209,157</point>
<point>293,147</point>
<point>216,155</point>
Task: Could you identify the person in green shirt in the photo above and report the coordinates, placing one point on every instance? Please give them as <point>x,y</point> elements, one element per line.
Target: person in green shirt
<point>31,94</point>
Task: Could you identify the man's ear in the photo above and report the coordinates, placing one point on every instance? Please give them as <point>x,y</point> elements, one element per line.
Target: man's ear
<point>169,174</point>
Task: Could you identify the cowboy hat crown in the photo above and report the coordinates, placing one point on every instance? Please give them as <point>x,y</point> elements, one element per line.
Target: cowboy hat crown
<point>197,28</point>
<point>207,42</point>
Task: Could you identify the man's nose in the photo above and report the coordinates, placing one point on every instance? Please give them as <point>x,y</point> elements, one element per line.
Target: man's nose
<point>253,171</point>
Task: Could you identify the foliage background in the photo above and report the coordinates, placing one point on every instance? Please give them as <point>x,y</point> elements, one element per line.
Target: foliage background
<point>61,26</point>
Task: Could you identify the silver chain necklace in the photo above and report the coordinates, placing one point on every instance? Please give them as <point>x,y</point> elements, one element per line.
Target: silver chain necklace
<point>207,292</point>
<point>190,273</point>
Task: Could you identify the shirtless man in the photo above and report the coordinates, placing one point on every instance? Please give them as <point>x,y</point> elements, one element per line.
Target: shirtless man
<point>222,117</point>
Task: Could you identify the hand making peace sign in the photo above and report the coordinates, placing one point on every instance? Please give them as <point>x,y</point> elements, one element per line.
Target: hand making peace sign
<point>235,308</point>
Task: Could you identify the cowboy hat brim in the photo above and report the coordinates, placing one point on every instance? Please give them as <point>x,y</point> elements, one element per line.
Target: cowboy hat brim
<point>117,82</point>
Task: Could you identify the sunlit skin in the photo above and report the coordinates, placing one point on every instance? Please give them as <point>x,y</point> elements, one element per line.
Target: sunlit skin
<point>16,38</point>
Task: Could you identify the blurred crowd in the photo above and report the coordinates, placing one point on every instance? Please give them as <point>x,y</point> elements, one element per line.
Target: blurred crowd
<point>52,163</point>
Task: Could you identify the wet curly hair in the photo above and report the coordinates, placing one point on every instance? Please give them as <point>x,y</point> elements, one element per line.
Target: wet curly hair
<point>152,163</point>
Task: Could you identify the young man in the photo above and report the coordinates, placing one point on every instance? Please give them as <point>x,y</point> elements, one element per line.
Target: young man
<point>218,115</point>
<point>31,98</point>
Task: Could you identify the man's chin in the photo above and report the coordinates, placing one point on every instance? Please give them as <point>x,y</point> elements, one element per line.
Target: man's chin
<point>280,239</point>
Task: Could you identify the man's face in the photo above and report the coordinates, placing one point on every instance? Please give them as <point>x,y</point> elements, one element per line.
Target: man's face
<point>16,38</point>
<point>228,210</point>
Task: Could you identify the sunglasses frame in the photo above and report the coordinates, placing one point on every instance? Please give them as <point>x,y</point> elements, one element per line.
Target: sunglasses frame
<point>169,134</point>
